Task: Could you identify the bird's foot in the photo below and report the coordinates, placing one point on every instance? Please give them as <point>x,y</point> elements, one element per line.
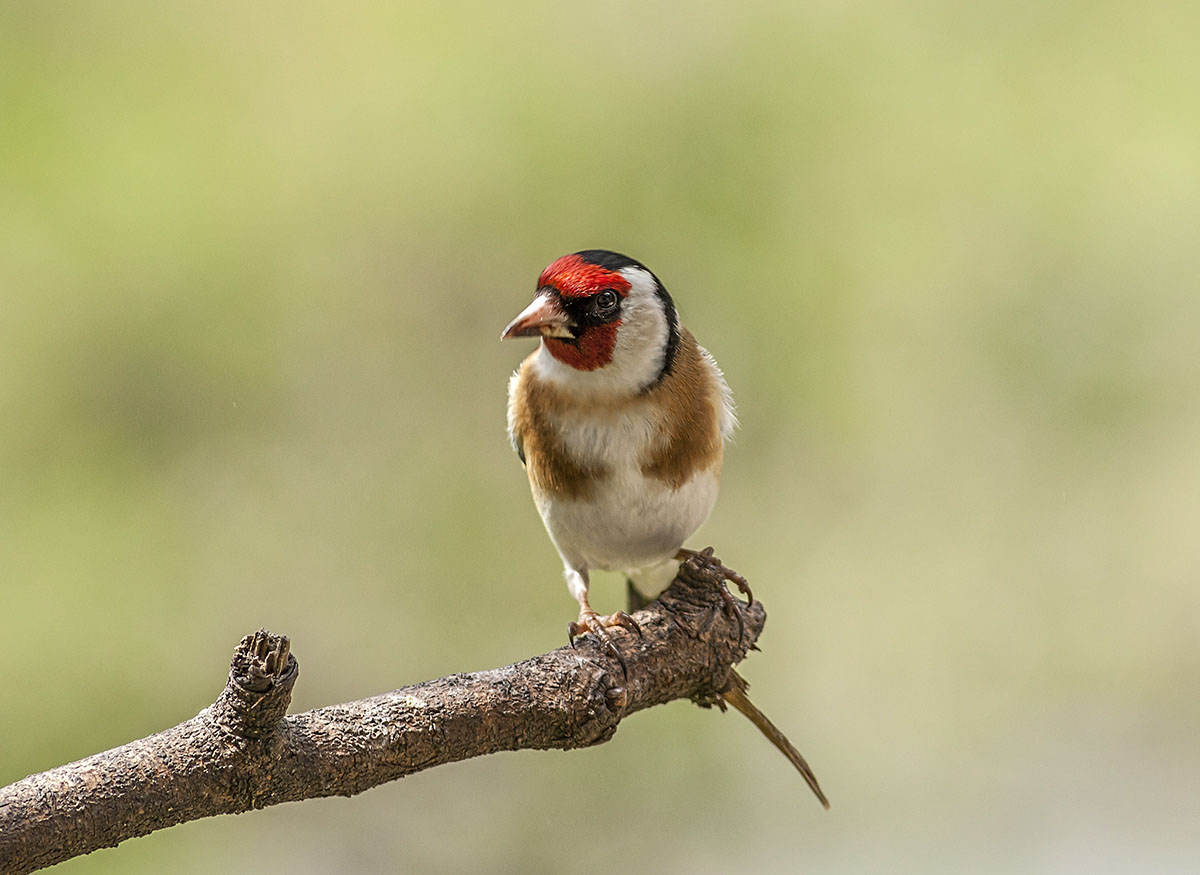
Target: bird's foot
<point>703,561</point>
<point>598,625</point>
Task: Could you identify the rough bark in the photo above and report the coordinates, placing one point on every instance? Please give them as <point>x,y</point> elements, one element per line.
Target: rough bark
<point>242,752</point>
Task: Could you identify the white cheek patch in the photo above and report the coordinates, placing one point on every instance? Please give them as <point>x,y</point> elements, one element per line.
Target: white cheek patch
<point>642,340</point>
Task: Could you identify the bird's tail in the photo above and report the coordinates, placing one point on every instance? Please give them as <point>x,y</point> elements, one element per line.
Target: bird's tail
<point>736,696</point>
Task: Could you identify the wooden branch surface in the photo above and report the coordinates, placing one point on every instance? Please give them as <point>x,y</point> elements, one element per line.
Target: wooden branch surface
<point>242,752</point>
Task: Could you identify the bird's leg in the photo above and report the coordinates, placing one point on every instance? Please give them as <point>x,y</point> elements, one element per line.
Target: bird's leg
<point>706,560</point>
<point>597,624</point>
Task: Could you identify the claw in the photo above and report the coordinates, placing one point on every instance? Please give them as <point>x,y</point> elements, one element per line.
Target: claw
<point>731,608</point>
<point>590,621</point>
<point>712,563</point>
<point>628,622</point>
<point>617,653</point>
<point>739,581</point>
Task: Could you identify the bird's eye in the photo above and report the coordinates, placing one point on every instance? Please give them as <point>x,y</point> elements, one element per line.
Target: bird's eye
<point>605,302</point>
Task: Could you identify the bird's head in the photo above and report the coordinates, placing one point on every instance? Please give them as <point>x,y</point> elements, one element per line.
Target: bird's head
<point>606,323</point>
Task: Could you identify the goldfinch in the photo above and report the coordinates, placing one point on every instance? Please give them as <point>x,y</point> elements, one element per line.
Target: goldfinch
<point>620,419</point>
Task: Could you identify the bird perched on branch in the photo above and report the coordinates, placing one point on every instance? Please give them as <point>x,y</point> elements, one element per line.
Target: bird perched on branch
<point>620,418</point>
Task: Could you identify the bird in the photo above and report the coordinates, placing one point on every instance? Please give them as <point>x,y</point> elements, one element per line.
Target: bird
<point>620,418</point>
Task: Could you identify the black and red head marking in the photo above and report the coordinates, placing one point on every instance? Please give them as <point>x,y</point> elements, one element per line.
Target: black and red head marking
<point>582,303</point>
<point>583,274</point>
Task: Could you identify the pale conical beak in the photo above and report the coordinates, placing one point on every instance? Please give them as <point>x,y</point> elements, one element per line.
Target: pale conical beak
<point>544,317</point>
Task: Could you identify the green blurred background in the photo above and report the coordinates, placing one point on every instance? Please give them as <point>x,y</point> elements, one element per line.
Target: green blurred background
<point>254,263</point>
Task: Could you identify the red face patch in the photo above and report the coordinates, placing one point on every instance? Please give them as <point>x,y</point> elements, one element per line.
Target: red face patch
<point>573,277</point>
<point>593,349</point>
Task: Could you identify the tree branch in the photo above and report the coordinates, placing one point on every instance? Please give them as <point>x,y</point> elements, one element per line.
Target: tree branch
<point>242,752</point>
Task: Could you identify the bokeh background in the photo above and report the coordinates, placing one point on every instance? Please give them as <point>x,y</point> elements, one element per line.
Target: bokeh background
<point>254,263</point>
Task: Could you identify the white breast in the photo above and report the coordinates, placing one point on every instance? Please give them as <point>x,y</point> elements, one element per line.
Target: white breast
<point>630,521</point>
